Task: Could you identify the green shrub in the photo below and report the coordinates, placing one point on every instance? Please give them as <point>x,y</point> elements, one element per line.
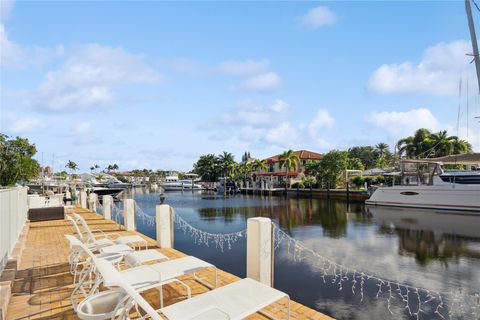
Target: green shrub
<point>299,185</point>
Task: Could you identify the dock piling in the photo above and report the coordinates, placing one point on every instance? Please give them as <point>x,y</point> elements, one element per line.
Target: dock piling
<point>83,199</point>
<point>129,214</point>
<point>107,203</point>
<point>92,202</point>
<point>164,220</point>
<point>260,250</point>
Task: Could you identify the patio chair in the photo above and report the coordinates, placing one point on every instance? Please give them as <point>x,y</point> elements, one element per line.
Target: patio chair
<point>111,238</point>
<point>92,242</point>
<point>233,302</point>
<point>146,277</point>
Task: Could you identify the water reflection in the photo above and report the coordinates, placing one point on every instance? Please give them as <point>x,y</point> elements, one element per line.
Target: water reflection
<point>431,236</point>
<point>423,248</point>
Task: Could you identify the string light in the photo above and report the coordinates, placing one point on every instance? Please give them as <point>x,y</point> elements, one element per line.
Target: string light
<point>206,238</point>
<point>146,218</point>
<point>415,300</point>
<point>200,237</point>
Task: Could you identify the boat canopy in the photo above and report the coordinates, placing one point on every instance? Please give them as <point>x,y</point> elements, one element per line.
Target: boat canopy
<point>465,158</point>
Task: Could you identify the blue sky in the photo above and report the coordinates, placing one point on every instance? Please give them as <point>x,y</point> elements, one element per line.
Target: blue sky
<point>156,84</point>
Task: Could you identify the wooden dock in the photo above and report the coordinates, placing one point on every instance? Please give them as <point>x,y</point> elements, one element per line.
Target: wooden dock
<point>42,283</point>
<point>334,194</point>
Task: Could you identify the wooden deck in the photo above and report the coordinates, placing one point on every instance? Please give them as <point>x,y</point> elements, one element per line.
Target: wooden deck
<point>43,284</point>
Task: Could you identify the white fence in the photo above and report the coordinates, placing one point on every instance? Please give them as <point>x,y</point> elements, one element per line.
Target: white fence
<point>13,214</point>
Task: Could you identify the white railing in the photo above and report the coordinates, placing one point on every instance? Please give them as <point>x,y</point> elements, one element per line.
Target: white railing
<point>13,214</point>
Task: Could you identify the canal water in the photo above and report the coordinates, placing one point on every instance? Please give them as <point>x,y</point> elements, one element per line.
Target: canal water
<point>429,250</point>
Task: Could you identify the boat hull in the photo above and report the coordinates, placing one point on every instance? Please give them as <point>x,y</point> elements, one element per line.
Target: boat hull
<point>464,198</point>
<point>108,191</point>
<point>180,187</point>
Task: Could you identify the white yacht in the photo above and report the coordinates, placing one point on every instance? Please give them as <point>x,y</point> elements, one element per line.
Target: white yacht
<point>428,190</point>
<point>172,183</point>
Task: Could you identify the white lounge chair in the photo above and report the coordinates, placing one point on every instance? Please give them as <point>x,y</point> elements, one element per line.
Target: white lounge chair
<point>233,302</point>
<point>144,277</point>
<point>112,237</point>
<point>94,244</point>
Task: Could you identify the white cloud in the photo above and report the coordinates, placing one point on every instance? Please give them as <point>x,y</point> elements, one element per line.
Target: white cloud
<point>322,119</point>
<point>284,134</point>
<point>24,125</point>
<point>249,113</point>
<point>88,77</point>
<point>259,126</point>
<point>437,73</point>
<point>13,55</point>
<point>279,106</point>
<point>403,123</point>
<point>400,124</point>
<point>244,68</point>
<point>263,82</point>
<point>6,7</point>
<point>470,134</point>
<point>318,17</point>
<point>83,133</point>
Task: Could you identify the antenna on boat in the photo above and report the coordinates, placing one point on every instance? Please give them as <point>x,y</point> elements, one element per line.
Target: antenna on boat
<point>459,104</point>
<point>473,37</point>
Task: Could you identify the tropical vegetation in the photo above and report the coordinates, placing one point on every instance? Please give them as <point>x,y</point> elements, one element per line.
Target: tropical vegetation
<point>328,171</point>
<point>16,160</point>
<point>427,144</point>
<point>288,160</point>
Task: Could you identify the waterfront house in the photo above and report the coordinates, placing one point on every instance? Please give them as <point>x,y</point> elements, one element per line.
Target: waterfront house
<point>275,176</point>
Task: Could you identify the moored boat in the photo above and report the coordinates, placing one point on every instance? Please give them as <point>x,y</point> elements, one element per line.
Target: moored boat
<point>430,190</point>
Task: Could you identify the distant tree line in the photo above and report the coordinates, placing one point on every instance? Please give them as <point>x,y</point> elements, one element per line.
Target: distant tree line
<point>17,163</point>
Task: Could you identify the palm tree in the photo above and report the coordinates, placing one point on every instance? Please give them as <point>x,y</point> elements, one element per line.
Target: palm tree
<point>92,168</point>
<point>108,168</point>
<point>115,167</point>
<point>461,146</point>
<point>289,160</point>
<point>72,166</point>
<point>260,164</point>
<point>414,146</point>
<point>441,144</point>
<point>381,149</point>
<point>245,168</point>
<point>426,144</point>
<point>226,161</point>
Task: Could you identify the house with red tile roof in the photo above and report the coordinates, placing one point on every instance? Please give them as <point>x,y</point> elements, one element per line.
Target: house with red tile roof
<point>276,176</point>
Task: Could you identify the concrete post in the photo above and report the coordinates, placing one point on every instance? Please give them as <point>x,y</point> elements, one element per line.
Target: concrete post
<point>83,199</point>
<point>164,220</point>
<point>107,203</point>
<point>129,214</point>
<point>260,250</point>
<point>92,202</point>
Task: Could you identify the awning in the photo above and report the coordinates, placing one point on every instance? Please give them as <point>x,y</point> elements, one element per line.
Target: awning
<point>465,158</point>
<point>275,174</point>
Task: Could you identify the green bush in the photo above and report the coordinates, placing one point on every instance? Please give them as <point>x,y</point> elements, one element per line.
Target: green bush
<point>299,185</point>
<point>358,181</point>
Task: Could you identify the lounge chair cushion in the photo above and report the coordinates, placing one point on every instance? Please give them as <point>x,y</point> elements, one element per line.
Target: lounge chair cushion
<point>234,301</point>
<point>139,257</point>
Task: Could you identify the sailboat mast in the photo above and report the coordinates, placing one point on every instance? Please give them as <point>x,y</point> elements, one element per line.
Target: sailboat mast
<point>473,36</point>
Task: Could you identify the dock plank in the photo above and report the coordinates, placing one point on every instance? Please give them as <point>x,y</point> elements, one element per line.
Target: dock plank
<point>43,283</point>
